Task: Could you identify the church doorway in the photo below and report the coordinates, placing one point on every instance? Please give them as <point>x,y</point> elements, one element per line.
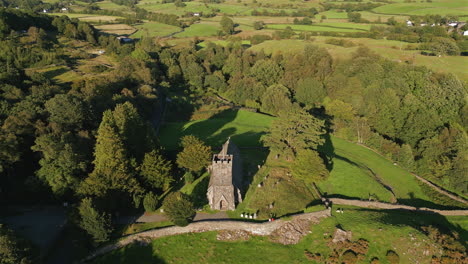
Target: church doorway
<point>222,205</point>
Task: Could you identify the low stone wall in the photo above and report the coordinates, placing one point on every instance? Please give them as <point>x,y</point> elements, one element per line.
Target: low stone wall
<point>262,229</point>
<point>379,205</point>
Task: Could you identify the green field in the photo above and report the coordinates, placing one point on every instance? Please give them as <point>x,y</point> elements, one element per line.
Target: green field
<point>200,30</point>
<point>317,27</point>
<point>332,14</point>
<point>86,17</point>
<point>155,29</point>
<point>384,230</point>
<point>244,128</point>
<point>440,7</point>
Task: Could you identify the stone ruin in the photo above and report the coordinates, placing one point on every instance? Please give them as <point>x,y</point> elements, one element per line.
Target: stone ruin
<point>224,191</point>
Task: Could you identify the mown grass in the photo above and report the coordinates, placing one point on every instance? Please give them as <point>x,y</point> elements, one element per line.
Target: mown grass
<point>384,230</point>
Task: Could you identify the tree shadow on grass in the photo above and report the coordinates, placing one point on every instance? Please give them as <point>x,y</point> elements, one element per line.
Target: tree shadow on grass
<point>327,152</point>
<point>132,254</point>
<point>418,220</point>
<point>416,202</point>
<point>198,196</point>
<point>54,73</point>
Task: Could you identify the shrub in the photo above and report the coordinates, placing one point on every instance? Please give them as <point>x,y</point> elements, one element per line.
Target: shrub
<point>179,208</point>
<point>150,202</point>
<point>349,257</point>
<point>393,257</point>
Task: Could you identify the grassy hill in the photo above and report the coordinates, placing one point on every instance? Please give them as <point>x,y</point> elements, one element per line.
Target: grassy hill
<point>384,230</point>
<point>357,172</point>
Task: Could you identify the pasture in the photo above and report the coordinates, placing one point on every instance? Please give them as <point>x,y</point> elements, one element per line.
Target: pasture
<point>116,29</point>
<point>200,30</point>
<point>440,7</point>
<point>316,27</point>
<point>87,17</point>
<point>154,29</point>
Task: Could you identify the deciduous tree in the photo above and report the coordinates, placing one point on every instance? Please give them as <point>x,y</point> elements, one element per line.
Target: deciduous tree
<point>294,131</point>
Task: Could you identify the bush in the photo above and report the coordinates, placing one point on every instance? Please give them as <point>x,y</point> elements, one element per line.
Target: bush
<point>349,257</point>
<point>150,203</point>
<point>179,208</point>
<point>393,257</point>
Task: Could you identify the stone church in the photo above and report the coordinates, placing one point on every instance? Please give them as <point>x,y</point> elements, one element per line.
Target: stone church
<point>226,178</point>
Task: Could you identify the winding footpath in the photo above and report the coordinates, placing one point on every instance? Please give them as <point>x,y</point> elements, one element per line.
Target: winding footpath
<point>261,229</point>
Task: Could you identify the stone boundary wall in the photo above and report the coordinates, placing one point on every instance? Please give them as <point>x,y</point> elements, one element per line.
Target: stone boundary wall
<point>262,229</point>
<point>379,205</point>
<point>441,190</point>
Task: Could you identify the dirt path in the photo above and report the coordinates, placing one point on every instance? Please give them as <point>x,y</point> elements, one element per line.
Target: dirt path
<point>380,205</point>
<point>261,229</point>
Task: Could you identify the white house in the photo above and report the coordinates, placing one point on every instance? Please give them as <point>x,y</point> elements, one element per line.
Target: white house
<point>45,11</point>
<point>453,24</point>
<point>409,23</point>
<point>465,33</point>
<point>64,9</point>
<point>196,14</point>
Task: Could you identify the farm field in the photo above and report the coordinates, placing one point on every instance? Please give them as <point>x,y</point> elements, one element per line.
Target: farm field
<point>87,17</point>
<point>200,30</point>
<point>326,27</point>
<point>389,49</point>
<point>117,29</point>
<point>154,29</point>
<point>384,230</point>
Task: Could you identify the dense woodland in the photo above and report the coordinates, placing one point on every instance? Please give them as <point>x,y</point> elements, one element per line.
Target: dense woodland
<point>91,142</point>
